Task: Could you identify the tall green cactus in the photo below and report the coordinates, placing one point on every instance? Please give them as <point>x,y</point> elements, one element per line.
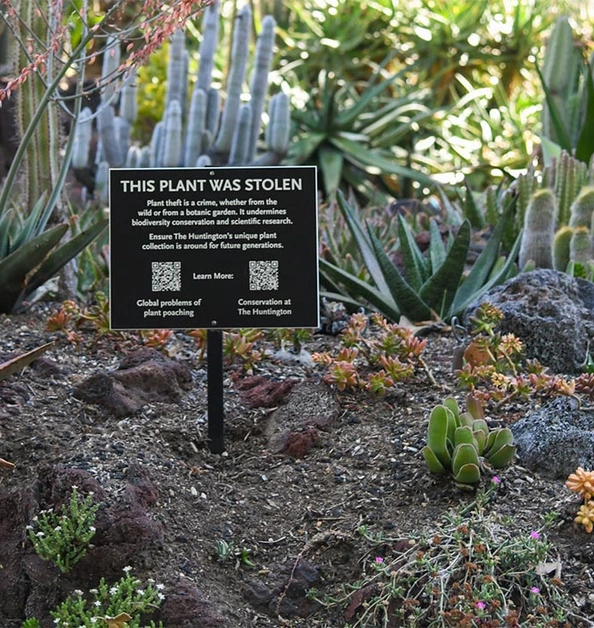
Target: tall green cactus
<point>539,230</point>
<point>41,165</point>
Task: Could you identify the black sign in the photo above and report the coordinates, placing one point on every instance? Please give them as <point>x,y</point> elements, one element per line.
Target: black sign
<point>214,248</point>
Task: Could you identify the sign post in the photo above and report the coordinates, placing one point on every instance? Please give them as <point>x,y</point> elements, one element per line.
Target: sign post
<point>214,249</point>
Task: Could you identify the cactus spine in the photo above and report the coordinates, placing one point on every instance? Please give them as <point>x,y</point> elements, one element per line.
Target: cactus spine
<point>539,228</point>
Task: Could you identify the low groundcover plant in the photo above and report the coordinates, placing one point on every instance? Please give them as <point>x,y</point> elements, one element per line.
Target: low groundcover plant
<point>469,570</point>
<point>63,537</point>
<point>120,605</point>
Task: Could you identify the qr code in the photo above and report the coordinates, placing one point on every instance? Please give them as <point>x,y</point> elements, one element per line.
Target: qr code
<point>264,275</point>
<point>166,276</point>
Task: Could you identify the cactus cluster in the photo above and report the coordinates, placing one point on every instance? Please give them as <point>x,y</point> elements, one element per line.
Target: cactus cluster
<point>195,133</point>
<point>570,247</point>
<point>462,444</point>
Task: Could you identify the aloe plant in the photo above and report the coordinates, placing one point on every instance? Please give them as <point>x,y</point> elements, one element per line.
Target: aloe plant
<point>434,286</point>
<point>462,444</point>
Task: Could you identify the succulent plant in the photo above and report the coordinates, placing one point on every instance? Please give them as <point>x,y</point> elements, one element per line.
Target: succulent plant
<point>540,221</point>
<point>434,286</point>
<point>568,112</point>
<point>199,134</point>
<point>462,444</point>
<point>561,246</point>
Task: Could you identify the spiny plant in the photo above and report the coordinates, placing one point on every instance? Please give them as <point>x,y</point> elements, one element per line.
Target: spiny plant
<point>194,130</point>
<point>461,443</point>
<point>40,55</point>
<point>568,112</point>
<point>432,286</point>
<point>375,355</point>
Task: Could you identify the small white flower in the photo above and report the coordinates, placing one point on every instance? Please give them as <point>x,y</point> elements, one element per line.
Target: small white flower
<point>97,603</point>
<point>93,529</point>
<point>29,528</point>
<point>94,620</point>
<point>35,518</point>
<point>160,596</point>
<point>127,568</point>
<point>57,528</point>
<point>140,592</point>
<point>90,493</point>
<point>78,592</point>
<point>159,586</point>
<point>40,534</point>
<point>151,580</point>
<point>113,590</point>
<point>74,487</point>
<point>93,591</point>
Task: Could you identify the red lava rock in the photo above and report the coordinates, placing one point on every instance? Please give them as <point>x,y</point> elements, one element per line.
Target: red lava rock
<point>187,607</point>
<point>260,392</point>
<point>298,444</point>
<point>30,586</point>
<point>285,590</point>
<point>143,376</point>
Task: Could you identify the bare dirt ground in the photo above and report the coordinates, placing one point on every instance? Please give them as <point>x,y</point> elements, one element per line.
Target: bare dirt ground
<point>292,514</point>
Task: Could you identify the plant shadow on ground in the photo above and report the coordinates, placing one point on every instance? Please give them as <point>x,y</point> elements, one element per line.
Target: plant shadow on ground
<point>248,526</point>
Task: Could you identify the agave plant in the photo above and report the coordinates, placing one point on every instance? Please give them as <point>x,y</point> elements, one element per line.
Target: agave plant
<point>32,253</point>
<point>568,84</point>
<point>351,133</point>
<point>462,443</point>
<point>432,286</point>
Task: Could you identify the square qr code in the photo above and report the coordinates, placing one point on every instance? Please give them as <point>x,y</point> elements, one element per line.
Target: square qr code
<point>263,274</point>
<point>166,276</point>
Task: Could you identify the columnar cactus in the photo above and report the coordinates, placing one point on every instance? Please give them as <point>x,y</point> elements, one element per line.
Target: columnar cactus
<point>539,229</point>
<point>561,246</point>
<point>580,246</point>
<point>582,208</point>
<point>202,135</point>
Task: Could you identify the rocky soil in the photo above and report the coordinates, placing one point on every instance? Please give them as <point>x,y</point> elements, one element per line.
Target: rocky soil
<point>304,468</point>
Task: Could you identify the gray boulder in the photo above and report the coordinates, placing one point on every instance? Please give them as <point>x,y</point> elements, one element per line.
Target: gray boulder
<point>556,439</point>
<point>551,312</point>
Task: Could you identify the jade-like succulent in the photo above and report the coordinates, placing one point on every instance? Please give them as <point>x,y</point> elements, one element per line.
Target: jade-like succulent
<point>461,443</point>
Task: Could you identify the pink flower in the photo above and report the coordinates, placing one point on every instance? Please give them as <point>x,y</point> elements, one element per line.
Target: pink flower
<point>379,560</point>
<point>481,606</point>
<point>535,590</point>
<point>495,479</point>
<point>534,535</point>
